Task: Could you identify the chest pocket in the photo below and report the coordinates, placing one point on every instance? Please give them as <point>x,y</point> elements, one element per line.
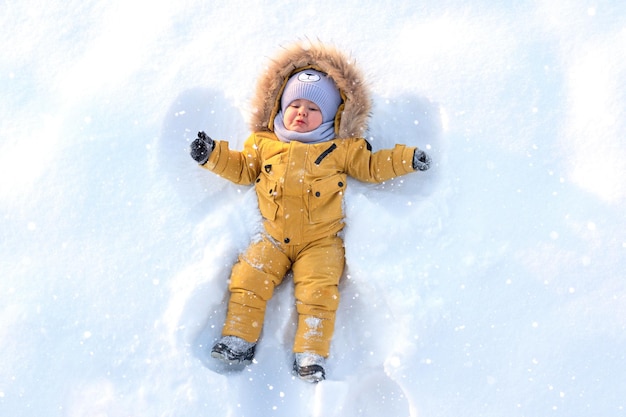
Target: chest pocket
<point>269,185</point>
<point>326,198</point>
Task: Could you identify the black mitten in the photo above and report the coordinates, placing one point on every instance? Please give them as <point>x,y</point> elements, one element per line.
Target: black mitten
<point>421,160</point>
<point>201,148</point>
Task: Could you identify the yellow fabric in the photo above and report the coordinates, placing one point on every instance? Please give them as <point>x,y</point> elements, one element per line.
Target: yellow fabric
<point>300,187</point>
<point>317,268</point>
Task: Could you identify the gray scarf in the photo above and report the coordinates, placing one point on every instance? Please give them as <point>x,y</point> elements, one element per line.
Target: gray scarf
<point>323,133</point>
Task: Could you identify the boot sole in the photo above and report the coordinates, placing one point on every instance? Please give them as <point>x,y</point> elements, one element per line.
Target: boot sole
<point>311,373</point>
<point>222,353</point>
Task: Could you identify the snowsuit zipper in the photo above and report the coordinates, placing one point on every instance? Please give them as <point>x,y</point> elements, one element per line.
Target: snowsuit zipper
<point>325,154</point>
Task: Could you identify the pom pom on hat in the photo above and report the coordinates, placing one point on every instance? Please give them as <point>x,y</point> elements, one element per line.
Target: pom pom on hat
<point>314,86</point>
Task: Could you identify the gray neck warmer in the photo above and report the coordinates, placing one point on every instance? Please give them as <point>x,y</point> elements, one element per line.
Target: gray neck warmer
<point>323,133</point>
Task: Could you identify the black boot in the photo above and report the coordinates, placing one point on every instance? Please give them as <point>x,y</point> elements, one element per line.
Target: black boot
<point>309,367</point>
<point>233,350</point>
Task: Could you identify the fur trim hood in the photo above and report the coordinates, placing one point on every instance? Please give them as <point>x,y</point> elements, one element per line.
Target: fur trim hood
<point>353,113</point>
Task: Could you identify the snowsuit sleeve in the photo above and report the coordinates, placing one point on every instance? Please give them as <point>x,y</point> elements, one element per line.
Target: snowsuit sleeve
<point>383,165</point>
<point>240,167</point>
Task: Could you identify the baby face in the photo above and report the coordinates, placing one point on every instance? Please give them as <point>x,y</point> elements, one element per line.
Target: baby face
<point>302,116</point>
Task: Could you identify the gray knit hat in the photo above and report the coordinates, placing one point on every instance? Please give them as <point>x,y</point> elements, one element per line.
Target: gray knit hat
<point>314,86</point>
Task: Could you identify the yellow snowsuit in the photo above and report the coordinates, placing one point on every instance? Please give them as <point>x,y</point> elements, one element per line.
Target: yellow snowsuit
<point>300,189</point>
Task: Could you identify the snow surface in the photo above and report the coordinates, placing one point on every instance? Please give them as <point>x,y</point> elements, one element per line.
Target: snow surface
<point>492,285</point>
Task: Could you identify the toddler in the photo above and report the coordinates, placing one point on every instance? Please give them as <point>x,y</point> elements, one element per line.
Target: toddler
<point>310,114</point>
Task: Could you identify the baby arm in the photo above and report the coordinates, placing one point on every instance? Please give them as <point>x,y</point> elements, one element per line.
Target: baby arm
<point>385,164</point>
<point>238,167</point>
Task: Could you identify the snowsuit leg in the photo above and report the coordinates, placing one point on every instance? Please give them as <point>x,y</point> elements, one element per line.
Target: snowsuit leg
<point>317,270</point>
<point>253,279</point>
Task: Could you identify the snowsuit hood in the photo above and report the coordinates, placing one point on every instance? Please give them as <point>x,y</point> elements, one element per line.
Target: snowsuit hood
<point>354,111</point>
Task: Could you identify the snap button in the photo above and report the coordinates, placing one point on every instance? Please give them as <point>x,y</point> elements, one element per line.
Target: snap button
<point>287,240</point>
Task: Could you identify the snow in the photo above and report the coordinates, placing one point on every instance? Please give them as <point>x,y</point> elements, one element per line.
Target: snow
<point>491,285</point>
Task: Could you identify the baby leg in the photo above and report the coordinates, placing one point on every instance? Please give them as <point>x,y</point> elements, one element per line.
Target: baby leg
<point>317,271</point>
<point>253,279</point>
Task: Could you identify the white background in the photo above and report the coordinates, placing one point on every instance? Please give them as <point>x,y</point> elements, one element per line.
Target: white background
<point>492,285</point>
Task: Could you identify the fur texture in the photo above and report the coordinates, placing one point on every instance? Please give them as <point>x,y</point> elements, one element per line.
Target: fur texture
<point>353,114</point>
